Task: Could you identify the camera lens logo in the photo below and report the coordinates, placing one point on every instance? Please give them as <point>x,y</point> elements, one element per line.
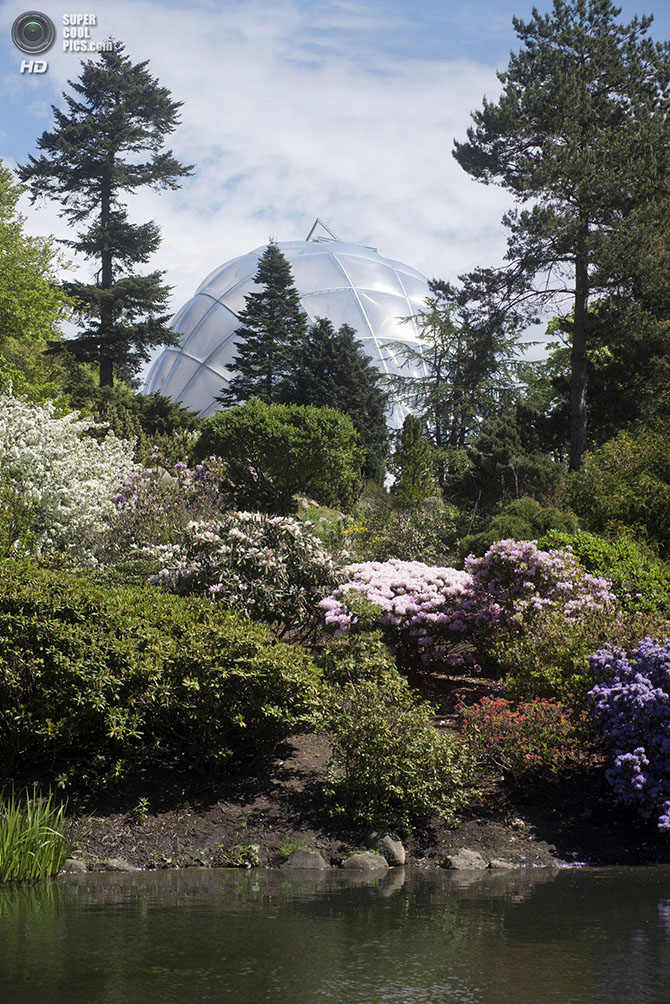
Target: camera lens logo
<point>33,32</point>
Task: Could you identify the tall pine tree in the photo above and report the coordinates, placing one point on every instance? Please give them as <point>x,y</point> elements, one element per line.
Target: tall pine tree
<point>273,329</point>
<point>109,141</point>
<point>333,371</point>
<point>580,132</point>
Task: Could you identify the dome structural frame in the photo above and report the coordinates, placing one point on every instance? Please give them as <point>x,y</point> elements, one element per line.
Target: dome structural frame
<point>348,283</point>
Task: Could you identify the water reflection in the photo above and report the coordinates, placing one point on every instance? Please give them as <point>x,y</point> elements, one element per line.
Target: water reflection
<point>528,936</point>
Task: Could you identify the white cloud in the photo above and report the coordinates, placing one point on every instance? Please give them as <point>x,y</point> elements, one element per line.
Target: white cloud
<point>290,113</point>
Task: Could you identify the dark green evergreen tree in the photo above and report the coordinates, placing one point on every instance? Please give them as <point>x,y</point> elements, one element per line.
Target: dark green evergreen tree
<point>273,329</point>
<point>333,371</point>
<point>412,464</point>
<point>466,365</point>
<point>581,132</point>
<point>109,141</point>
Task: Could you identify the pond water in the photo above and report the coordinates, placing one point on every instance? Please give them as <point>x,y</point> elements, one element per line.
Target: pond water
<point>413,937</point>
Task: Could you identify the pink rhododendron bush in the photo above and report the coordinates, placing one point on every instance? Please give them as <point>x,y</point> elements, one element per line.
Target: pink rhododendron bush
<point>442,614</point>
<point>422,608</point>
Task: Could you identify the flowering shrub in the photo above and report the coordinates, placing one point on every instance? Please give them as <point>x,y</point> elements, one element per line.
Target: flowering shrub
<point>71,478</point>
<point>532,737</point>
<point>423,608</point>
<point>272,568</point>
<point>154,505</point>
<point>631,707</point>
<point>522,581</point>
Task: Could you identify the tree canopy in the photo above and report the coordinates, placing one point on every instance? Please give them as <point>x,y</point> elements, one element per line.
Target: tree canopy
<point>273,328</point>
<point>332,370</point>
<point>108,141</point>
<point>579,136</point>
<point>32,304</point>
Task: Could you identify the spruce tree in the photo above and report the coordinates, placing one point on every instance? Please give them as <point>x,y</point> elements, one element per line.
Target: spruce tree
<point>333,371</point>
<point>109,141</point>
<point>412,463</point>
<point>271,335</point>
<point>580,132</point>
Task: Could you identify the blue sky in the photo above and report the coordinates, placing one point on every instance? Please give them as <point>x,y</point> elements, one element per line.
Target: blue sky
<point>342,109</point>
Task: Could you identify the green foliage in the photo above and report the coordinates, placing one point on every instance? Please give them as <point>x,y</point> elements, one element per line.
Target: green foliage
<point>35,837</point>
<point>623,488</point>
<point>529,739</point>
<point>157,423</point>
<point>358,655</point>
<point>549,659</point>
<point>412,464</point>
<point>425,532</point>
<point>110,141</point>
<point>94,681</point>
<point>32,303</point>
<point>272,452</point>
<point>524,519</point>
<point>274,326</point>
<point>390,766</point>
<point>504,464</point>
<point>240,856</point>
<point>579,137</point>
<point>331,370</point>
<point>462,364</point>
<point>639,580</point>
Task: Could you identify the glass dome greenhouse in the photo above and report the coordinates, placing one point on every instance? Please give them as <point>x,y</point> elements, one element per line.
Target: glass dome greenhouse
<point>347,283</point>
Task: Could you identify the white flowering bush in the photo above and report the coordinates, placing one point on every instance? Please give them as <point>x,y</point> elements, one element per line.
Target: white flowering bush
<point>69,478</point>
<point>271,568</point>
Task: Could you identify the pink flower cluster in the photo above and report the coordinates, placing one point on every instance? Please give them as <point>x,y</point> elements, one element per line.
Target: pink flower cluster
<point>431,605</point>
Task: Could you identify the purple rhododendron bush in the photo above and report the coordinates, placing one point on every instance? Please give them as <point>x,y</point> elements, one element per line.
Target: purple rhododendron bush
<point>431,611</point>
<point>631,708</point>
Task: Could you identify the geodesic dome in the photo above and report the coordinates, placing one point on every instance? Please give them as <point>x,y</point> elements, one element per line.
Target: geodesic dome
<point>347,283</point>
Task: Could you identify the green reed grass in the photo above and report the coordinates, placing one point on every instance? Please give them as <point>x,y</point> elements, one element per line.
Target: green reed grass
<point>35,837</point>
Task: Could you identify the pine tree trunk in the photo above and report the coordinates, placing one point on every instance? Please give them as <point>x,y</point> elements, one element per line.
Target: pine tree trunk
<point>106,372</point>
<point>106,282</point>
<point>579,361</point>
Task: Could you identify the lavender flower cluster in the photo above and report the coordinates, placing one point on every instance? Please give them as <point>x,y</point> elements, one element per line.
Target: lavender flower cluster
<point>523,581</point>
<point>432,607</point>
<point>631,706</point>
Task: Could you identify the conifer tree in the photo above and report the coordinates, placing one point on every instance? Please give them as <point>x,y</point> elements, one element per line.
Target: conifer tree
<point>581,133</point>
<point>333,371</point>
<point>412,463</point>
<point>271,335</point>
<point>109,141</point>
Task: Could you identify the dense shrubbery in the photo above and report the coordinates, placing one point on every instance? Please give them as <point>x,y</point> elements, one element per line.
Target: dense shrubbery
<point>530,738</point>
<point>523,519</point>
<point>523,581</point>
<point>427,532</point>
<point>95,680</point>
<point>631,707</point>
<point>272,452</point>
<point>640,582</point>
<point>271,568</point>
<point>424,611</point>
<point>153,506</point>
<point>390,766</point>
<point>69,477</point>
<point>623,487</point>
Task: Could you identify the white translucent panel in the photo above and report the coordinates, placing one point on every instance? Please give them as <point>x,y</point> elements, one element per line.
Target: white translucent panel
<point>191,314</point>
<point>347,283</point>
<point>216,327</point>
